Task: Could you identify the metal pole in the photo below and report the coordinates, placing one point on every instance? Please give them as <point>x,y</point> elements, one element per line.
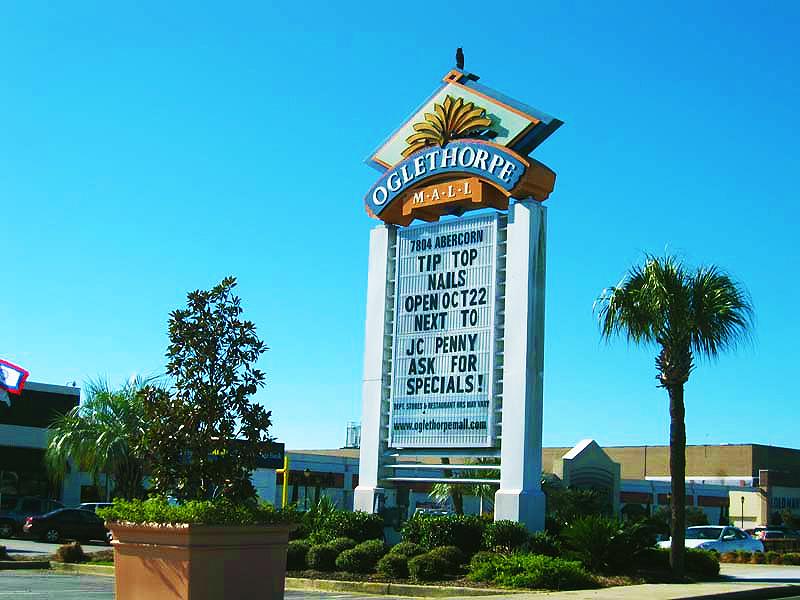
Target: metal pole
<point>742,512</point>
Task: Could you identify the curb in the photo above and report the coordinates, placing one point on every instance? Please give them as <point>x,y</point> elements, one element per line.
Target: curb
<point>23,564</point>
<point>389,589</point>
<point>82,569</point>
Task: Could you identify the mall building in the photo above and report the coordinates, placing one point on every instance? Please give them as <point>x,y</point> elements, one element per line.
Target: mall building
<point>635,479</point>
<point>23,439</point>
<point>748,483</point>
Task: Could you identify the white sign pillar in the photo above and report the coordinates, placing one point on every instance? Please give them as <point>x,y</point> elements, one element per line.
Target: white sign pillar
<point>373,440</point>
<point>520,497</point>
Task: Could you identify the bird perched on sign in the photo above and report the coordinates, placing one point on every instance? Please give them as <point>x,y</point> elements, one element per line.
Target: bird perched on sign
<point>459,59</point>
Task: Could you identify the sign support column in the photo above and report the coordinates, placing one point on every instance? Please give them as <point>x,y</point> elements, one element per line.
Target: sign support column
<point>520,497</point>
<point>377,356</point>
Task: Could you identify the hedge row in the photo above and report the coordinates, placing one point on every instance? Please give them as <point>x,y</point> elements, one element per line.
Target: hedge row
<point>770,558</point>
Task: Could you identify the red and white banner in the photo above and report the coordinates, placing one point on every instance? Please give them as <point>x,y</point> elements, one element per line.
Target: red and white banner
<point>12,377</point>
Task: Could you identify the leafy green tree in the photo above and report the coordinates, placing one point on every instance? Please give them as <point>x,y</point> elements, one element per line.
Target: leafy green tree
<point>683,313</point>
<point>204,435</point>
<point>102,436</point>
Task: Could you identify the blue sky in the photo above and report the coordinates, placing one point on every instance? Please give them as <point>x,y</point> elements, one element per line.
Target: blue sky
<point>147,150</point>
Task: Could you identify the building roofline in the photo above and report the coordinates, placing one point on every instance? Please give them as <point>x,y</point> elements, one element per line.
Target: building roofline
<point>53,389</point>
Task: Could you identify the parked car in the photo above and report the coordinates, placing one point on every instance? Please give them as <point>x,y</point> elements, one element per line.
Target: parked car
<point>777,532</point>
<point>67,523</point>
<point>93,506</point>
<point>15,509</point>
<point>771,534</point>
<point>718,538</point>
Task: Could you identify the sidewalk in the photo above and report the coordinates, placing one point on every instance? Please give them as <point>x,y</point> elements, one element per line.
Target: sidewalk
<point>744,581</point>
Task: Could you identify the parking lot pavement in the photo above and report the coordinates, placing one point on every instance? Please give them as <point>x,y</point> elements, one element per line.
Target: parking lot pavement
<point>15,546</point>
<point>44,585</point>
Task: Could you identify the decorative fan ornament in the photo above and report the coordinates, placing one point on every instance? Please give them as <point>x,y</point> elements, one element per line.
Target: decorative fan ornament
<point>451,120</point>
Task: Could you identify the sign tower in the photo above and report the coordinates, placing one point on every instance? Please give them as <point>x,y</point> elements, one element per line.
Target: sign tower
<point>453,359</point>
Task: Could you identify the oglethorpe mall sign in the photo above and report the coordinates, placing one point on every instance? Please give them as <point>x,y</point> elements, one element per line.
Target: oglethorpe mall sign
<point>443,373</point>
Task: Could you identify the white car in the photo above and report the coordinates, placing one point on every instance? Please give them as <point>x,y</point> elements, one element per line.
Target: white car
<point>719,538</point>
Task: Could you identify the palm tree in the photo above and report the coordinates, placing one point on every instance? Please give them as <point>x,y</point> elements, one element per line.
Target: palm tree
<point>455,491</point>
<point>102,436</point>
<point>683,313</point>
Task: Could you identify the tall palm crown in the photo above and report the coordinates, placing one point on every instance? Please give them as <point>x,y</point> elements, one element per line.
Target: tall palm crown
<point>102,436</point>
<point>685,314</point>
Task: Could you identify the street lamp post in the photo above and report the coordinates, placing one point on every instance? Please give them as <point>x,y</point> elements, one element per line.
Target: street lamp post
<point>742,512</point>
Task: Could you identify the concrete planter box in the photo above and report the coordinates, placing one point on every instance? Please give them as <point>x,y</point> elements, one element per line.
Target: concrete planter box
<point>195,562</point>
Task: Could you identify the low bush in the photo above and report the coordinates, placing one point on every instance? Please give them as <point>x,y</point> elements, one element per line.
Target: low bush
<point>651,559</point>
<point>427,567</point>
<point>702,562</point>
<point>483,566</point>
<point>393,565</point>
<point>432,531</point>
<point>70,553</point>
<point>758,558</point>
<point>220,511</point>
<point>363,558</point>
<point>409,549</point>
<point>729,557</point>
<point>744,556</point>
<point>532,571</point>
<point>543,542</point>
<point>322,557</point>
<point>358,526</point>
<point>791,558</point>
<point>505,536</point>
<point>296,555</point>
<point>698,562</point>
<point>452,556</point>
<point>343,543</point>
<point>773,558</point>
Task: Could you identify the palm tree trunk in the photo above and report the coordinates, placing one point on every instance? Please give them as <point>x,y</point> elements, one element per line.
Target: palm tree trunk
<point>677,469</point>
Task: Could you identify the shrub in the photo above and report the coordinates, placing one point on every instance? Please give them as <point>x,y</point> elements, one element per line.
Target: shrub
<point>220,511</point>
<point>426,567</point>
<point>394,565</point>
<point>744,556</point>
<point>409,549</point>
<point>506,536</point>
<point>602,543</point>
<point>655,559</point>
<point>791,558</point>
<point>363,558</point>
<point>343,543</point>
<point>758,558</point>
<point>452,556</point>
<point>590,539</point>
<point>532,571</point>
<point>322,557</point>
<point>482,566</point>
<point>702,562</point>
<point>729,557</point>
<point>432,531</point>
<point>542,542</point>
<point>296,555</point>
<point>358,526</point>
<point>773,558</point>
<point>70,553</point>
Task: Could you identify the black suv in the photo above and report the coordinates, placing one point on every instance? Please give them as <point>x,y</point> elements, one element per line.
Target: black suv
<point>15,509</point>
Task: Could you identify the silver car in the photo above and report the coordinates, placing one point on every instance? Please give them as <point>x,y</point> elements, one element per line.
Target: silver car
<point>719,538</point>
